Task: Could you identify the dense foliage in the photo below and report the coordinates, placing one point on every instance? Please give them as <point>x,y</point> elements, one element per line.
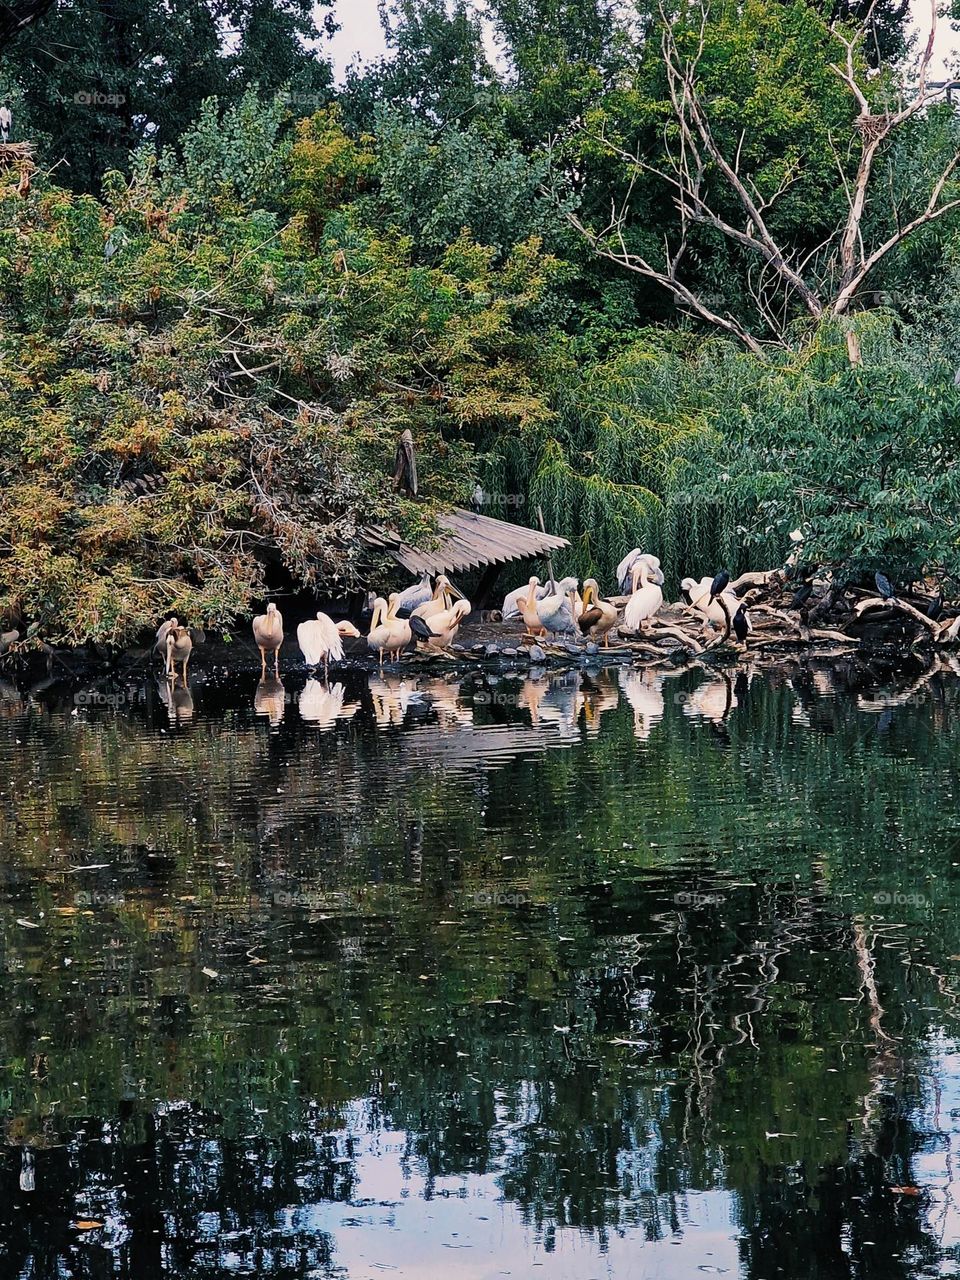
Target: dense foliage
<point>223,298</point>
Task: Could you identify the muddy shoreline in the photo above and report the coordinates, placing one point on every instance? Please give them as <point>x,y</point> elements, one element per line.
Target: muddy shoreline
<point>487,649</point>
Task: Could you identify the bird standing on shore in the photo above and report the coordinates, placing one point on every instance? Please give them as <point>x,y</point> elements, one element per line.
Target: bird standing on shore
<point>646,597</point>
<point>599,617</point>
<point>884,586</point>
<point>557,612</point>
<point>742,626</point>
<point>440,630</point>
<point>625,569</point>
<point>268,634</point>
<point>388,634</point>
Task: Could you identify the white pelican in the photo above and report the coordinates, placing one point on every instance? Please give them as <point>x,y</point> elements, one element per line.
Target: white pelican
<point>387,635</point>
<point>440,629</point>
<point>321,640</point>
<point>599,617</point>
<point>322,705</point>
<point>625,569</point>
<point>442,598</point>
<point>558,611</point>
<point>528,608</point>
<point>646,597</point>
<point>268,634</point>
<point>413,597</point>
<point>698,594</point>
<point>179,648</point>
<point>163,631</point>
<point>512,602</point>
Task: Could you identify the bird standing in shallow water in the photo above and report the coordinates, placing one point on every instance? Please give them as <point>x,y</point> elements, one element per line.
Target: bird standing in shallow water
<point>321,640</point>
<point>268,634</point>
<point>179,646</point>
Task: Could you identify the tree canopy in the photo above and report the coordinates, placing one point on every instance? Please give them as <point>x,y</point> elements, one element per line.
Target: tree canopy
<point>681,277</point>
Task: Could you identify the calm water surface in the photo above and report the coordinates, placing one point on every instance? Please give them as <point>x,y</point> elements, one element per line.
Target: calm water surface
<point>607,975</point>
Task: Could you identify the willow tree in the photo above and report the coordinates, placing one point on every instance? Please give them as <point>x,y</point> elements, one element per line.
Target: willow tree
<point>766,110</point>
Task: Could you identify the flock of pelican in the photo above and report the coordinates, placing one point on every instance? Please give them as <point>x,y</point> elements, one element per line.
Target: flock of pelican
<point>431,613</point>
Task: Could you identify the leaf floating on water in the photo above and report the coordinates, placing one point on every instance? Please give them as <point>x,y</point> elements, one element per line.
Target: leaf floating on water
<point>211,973</point>
<point>905,1191</point>
<point>86,1224</point>
<point>27,924</point>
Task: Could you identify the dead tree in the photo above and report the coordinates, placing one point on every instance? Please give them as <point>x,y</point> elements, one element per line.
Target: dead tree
<point>824,282</point>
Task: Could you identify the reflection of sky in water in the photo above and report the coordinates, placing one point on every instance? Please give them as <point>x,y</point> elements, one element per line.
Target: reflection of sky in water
<point>613,945</point>
<point>466,1229</point>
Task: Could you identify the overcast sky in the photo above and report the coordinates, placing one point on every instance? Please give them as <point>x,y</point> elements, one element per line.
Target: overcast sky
<point>362,35</point>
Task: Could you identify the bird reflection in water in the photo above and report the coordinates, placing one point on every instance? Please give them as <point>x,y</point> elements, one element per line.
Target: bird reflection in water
<point>644,691</point>
<point>392,697</point>
<point>322,705</point>
<point>598,694</point>
<point>270,700</point>
<point>444,698</point>
<point>177,699</point>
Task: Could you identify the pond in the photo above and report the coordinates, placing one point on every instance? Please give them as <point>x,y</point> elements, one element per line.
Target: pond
<point>607,974</point>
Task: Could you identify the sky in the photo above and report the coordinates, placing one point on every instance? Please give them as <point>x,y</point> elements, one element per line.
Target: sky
<point>361,34</point>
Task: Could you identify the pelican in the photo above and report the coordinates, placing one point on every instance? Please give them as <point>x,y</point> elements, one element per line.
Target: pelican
<point>321,640</point>
<point>413,597</point>
<point>268,634</point>
<point>179,647</point>
<point>698,594</point>
<point>625,569</point>
<point>162,632</point>
<point>599,617</point>
<point>440,629</point>
<point>387,634</point>
<point>558,612</point>
<point>323,705</point>
<point>512,602</point>
<point>528,608</point>
<point>442,598</point>
<point>646,597</point>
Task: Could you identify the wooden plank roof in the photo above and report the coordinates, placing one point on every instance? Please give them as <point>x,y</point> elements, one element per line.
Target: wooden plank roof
<point>467,540</point>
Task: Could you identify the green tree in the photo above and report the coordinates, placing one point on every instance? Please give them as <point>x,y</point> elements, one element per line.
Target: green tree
<point>135,72</point>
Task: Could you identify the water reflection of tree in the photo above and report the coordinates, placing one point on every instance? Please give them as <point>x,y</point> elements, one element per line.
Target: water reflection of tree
<point>688,1030</point>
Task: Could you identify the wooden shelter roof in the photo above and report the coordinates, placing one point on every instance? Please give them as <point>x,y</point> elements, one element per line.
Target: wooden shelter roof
<point>467,540</point>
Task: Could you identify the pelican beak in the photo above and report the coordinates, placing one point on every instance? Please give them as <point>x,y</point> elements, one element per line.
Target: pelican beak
<point>587,595</point>
<point>452,591</point>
